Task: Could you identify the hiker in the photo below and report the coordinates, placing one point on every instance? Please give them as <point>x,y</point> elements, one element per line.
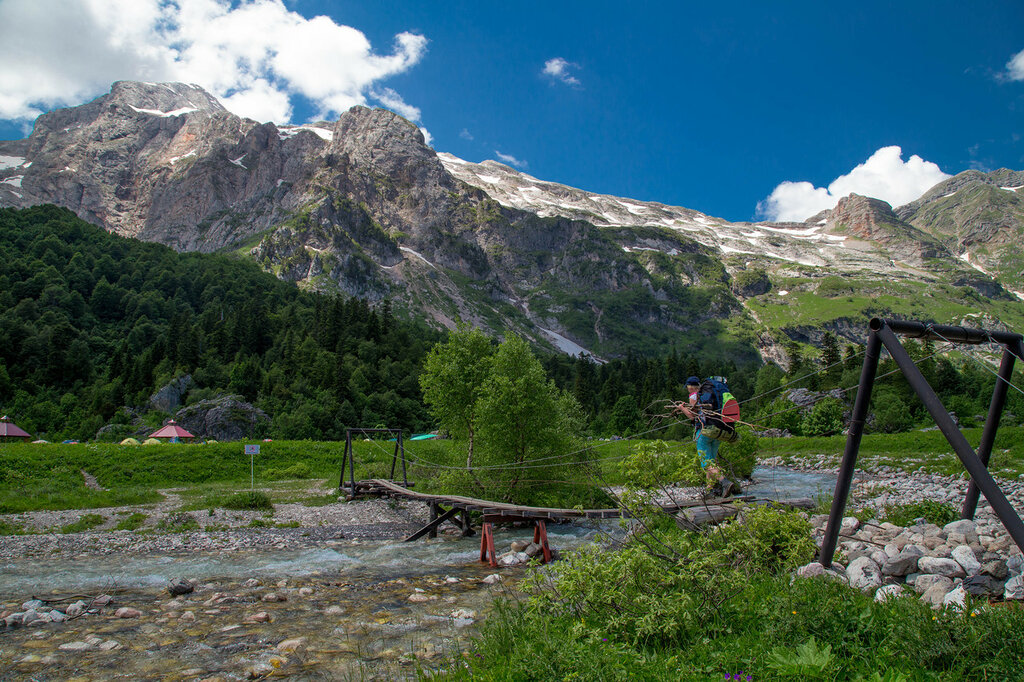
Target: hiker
<point>710,431</point>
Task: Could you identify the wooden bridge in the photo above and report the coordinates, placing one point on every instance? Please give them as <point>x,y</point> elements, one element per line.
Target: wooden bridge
<point>455,509</point>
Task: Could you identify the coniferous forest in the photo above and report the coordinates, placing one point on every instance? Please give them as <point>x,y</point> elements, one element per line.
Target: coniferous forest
<point>92,324</point>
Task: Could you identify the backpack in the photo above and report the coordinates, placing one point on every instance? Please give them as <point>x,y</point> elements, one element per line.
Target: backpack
<point>714,393</point>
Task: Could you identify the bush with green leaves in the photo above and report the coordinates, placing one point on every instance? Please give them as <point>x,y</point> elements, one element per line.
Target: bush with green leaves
<point>939,513</point>
<point>824,419</point>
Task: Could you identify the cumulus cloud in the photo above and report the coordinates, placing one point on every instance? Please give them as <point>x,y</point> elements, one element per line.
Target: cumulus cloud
<point>560,70</point>
<point>1015,67</point>
<point>884,176</point>
<point>255,55</point>
<point>510,160</point>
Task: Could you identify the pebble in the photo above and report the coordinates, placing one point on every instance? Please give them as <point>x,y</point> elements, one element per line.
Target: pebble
<point>125,612</point>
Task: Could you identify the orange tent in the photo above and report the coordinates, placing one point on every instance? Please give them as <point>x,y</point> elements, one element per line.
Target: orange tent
<point>10,431</point>
<point>171,430</point>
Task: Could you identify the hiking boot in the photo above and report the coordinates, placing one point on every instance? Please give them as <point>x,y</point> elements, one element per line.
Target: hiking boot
<point>734,488</point>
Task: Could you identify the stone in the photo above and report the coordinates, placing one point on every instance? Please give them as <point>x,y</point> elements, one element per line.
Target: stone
<point>109,645</point>
<point>519,545</point>
<point>849,525</point>
<point>334,610</point>
<point>75,646</point>
<point>259,617</point>
<point>926,581</point>
<point>180,586</point>
<point>274,597</point>
<point>533,549</point>
<point>253,582</point>
<point>288,646</point>
<point>964,556</point>
<point>964,526</point>
<point>102,600</point>
<point>811,570</point>
<point>995,568</point>
<point>32,605</point>
<point>14,620</point>
<point>984,586</point>
<point>29,617</point>
<point>125,612</point>
<point>491,579</point>
<point>935,594</point>
<point>74,610</point>
<point>188,617</point>
<point>1014,588</point>
<point>418,598</point>
<point>937,566</point>
<point>864,574</point>
<point>903,563</point>
<point>57,617</point>
<point>889,592</point>
<point>955,598</point>
<point>1015,564</point>
<point>305,591</point>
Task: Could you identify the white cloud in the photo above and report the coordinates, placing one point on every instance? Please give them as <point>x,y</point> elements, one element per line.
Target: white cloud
<point>1015,67</point>
<point>884,176</point>
<point>559,69</point>
<point>510,160</point>
<point>466,135</point>
<point>254,55</point>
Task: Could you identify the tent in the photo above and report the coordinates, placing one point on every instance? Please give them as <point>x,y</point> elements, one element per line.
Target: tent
<point>10,431</point>
<point>129,441</point>
<point>172,431</point>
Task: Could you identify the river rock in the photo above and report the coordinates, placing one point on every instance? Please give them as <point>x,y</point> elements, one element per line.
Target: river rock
<point>334,610</point>
<point>936,593</point>
<point>964,556</point>
<point>125,612</point>
<point>252,582</point>
<point>188,617</point>
<point>926,581</point>
<point>109,645</point>
<point>889,592</point>
<point>984,586</point>
<point>75,646</point>
<point>74,610</point>
<point>491,579</point>
<point>29,617</point>
<point>955,598</point>
<point>259,617</point>
<point>864,574</point>
<point>1014,588</point>
<point>995,568</point>
<point>903,563</point>
<point>533,549</point>
<point>849,525</point>
<point>519,545</point>
<point>305,591</point>
<point>1015,564</point>
<point>101,601</point>
<point>57,616</point>
<point>418,598</point>
<point>811,570</point>
<point>32,605</point>
<point>274,597</point>
<point>937,566</point>
<point>964,526</point>
<point>180,586</point>
<point>288,646</point>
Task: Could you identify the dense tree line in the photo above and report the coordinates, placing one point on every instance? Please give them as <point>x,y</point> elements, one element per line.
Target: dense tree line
<point>91,322</point>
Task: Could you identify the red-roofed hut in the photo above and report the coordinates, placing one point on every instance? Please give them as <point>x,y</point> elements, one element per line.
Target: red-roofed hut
<point>172,431</point>
<point>10,431</point>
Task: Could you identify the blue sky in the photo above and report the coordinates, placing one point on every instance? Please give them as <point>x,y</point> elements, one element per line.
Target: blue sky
<point>711,106</point>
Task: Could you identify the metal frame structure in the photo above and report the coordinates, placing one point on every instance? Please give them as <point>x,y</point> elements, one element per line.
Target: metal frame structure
<point>349,457</point>
<point>884,333</point>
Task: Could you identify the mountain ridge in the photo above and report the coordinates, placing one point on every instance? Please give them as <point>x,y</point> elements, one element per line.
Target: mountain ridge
<point>364,206</point>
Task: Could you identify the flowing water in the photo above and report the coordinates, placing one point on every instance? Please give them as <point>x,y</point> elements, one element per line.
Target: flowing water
<point>364,610</point>
<point>353,609</point>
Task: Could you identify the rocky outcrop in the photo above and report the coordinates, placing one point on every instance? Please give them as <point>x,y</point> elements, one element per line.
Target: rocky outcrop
<point>873,221</point>
<point>225,418</point>
<point>171,396</point>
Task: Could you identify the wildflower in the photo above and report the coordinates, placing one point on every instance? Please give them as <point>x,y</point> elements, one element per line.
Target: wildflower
<point>794,613</point>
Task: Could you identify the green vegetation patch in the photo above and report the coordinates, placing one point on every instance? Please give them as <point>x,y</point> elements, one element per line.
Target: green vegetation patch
<point>87,522</point>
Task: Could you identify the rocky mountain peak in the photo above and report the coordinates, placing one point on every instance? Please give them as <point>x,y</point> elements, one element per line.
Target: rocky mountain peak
<point>861,217</point>
<point>163,99</point>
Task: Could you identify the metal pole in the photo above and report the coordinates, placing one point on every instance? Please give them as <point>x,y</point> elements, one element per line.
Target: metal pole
<point>351,461</point>
<point>963,449</point>
<point>988,435</point>
<point>860,413</point>
<point>401,446</point>
<point>394,461</point>
<point>941,332</point>
<point>344,461</point>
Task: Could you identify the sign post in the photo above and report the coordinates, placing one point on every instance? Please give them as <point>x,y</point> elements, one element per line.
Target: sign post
<point>252,451</point>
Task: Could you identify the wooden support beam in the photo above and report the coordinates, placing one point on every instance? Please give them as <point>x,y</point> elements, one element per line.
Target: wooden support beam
<point>434,523</point>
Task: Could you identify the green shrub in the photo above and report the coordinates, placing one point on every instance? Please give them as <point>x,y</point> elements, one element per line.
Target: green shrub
<point>132,522</point>
<point>251,500</point>
<point>939,513</point>
<point>738,459</point>
<point>179,522</point>
<point>824,419</point>
<point>85,523</point>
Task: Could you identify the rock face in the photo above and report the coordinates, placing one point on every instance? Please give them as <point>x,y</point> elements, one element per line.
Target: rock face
<point>170,397</point>
<point>224,419</point>
<point>362,205</point>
